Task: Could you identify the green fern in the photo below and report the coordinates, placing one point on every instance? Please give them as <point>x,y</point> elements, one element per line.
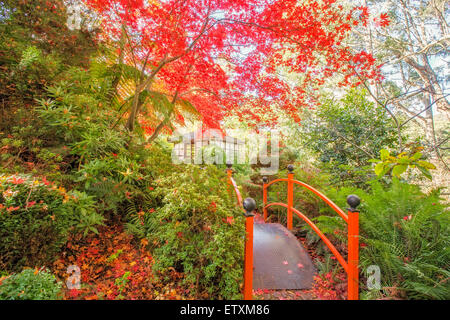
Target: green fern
<point>406,233</point>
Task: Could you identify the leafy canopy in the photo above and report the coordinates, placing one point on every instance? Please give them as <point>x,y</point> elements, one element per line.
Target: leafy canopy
<point>226,56</point>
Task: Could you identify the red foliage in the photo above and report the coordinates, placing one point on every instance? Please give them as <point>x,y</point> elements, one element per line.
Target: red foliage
<point>226,56</point>
<point>383,20</point>
<point>113,267</point>
<point>328,288</point>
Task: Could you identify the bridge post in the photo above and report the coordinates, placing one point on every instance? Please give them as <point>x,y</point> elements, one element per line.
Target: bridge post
<point>353,247</point>
<point>290,196</point>
<point>265,180</point>
<point>249,205</point>
<point>229,175</point>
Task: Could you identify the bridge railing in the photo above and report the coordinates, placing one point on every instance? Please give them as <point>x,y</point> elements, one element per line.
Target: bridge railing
<point>232,186</point>
<point>352,219</point>
<point>248,206</point>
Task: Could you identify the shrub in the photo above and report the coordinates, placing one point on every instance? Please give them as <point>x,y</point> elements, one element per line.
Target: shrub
<point>198,230</point>
<point>29,63</point>
<point>77,139</point>
<point>113,167</point>
<point>30,285</point>
<point>35,218</point>
<point>397,165</point>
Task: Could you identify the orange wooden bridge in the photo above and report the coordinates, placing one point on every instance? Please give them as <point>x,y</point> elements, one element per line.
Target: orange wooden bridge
<point>274,259</point>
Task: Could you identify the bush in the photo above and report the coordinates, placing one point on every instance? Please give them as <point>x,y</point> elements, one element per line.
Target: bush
<point>77,140</point>
<point>346,134</point>
<point>407,234</point>
<point>30,285</point>
<point>113,167</point>
<point>198,230</point>
<point>36,217</point>
<point>36,47</point>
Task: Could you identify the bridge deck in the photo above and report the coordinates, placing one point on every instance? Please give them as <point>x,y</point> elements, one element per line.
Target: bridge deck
<point>280,261</point>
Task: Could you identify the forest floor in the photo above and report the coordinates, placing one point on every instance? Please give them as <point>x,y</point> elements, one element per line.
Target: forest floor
<point>114,266</point>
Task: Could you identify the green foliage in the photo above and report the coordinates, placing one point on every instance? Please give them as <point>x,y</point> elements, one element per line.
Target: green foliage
<point>397,165</point>
<point>82,208</point>
<point>198,230</point>
<point>36,217</point>
<point>407,234</point>
<point>30,285</point>
<point>328,266</point>
<point>345,134</point>
<point>62,118</point>
<point>79,142</point>
<point>76,140</point>
<point>113,167</point>
<point>36,47</point>
<point>122,282</point>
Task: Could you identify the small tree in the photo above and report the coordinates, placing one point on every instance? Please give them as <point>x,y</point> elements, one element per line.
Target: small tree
<point>347,133</point>
<point>224,56</point>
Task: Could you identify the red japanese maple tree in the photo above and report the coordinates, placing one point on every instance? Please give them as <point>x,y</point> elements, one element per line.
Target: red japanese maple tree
<point>233,55</point>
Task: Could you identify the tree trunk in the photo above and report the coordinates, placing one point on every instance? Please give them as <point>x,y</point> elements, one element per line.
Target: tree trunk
<point>118,75</point>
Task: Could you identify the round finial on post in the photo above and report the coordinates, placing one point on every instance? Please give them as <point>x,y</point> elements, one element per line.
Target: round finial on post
<point>249,205</point>
<point>265,179</point>
<point>290,168</point>
<point>353,201</point>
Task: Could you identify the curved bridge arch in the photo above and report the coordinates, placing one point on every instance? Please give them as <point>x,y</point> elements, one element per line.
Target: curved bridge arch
<point>324,198</point>
<point>352,219</point>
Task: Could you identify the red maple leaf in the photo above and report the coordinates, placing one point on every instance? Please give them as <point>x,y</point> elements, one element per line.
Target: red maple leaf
<point>230,220</point>
<point>382,21</point>
<point>73,293</point>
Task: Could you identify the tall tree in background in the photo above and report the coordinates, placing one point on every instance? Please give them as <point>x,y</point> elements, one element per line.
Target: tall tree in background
<point>223,56</point>
<point>411,38</point>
